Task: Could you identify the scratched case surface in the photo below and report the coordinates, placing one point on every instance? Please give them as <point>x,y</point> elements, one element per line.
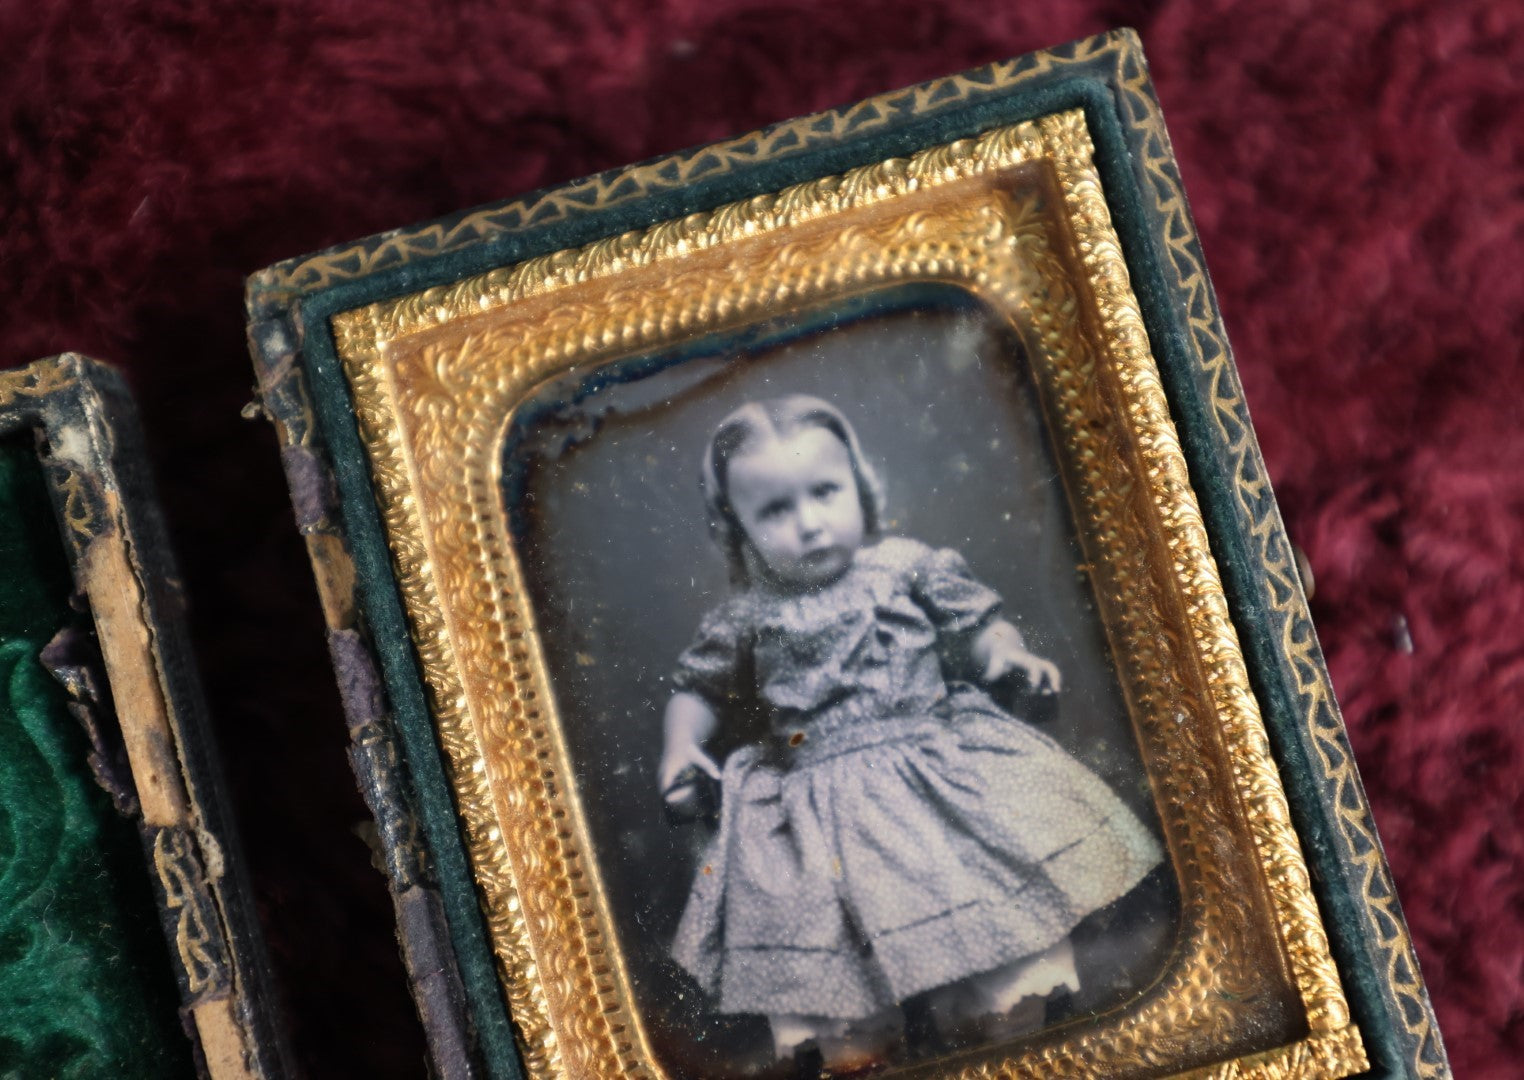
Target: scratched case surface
<point>1029,215</point>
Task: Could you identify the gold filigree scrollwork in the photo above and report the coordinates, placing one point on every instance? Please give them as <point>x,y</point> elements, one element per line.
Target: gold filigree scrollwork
<point>436,377</point>
<point>36,382</point>
<point>198,942</point>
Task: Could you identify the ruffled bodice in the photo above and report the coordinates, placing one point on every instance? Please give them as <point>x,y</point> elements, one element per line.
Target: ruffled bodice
<point>872,644</point>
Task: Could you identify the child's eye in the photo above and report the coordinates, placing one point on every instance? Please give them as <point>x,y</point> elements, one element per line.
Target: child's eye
<point>772,511</point>
<point>825,489</point>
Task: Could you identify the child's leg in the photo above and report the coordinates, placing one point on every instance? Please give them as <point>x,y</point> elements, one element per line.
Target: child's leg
<point>1006,1002</point>
<point>792,1030</point>
<point>843,1044</point>
<point>1000,990</point>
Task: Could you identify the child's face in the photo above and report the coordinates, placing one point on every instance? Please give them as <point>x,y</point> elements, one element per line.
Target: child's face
<point>796,498</point>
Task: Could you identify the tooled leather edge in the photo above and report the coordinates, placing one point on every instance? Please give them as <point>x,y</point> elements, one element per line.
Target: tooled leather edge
<point>131,682</point>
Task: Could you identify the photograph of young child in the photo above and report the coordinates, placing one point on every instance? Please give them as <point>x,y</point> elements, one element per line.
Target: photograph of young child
<point>859,774</point>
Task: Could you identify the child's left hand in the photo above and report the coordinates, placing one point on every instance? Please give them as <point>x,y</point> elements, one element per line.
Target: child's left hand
<point>1041,675</point>
<point>1005,656</point>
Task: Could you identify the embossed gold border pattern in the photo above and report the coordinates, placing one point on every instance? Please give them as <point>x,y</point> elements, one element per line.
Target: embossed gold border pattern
<point>1216,641</point>
<point>564,980</point>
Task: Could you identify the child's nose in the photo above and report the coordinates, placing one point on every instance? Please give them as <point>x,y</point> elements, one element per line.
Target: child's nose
<point>809,521</point>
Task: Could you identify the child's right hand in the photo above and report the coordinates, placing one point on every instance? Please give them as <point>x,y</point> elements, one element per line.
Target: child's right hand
<point>674,762</point>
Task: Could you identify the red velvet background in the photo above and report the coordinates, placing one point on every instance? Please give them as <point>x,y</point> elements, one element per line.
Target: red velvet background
<point>1356,169</point>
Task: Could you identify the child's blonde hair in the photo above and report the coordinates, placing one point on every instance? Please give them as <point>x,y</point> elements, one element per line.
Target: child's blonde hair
<point>776,418</point>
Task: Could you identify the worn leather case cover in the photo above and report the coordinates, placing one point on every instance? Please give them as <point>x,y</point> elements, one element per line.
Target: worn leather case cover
<point>104,692</point>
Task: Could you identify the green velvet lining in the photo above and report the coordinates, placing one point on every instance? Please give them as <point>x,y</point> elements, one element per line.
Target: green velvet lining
<point>85,984</point>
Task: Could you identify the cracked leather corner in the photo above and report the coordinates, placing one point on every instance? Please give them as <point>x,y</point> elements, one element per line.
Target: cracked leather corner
<point>274,352</point>
<point>279,384</point>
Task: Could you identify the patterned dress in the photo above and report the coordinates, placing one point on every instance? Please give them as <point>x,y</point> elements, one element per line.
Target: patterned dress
<point>898,832</point>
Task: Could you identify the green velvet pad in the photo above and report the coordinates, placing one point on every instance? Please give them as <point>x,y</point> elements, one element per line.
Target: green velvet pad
<point>85,984</point>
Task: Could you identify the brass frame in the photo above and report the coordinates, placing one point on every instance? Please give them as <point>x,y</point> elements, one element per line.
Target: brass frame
<point>1018,218</point>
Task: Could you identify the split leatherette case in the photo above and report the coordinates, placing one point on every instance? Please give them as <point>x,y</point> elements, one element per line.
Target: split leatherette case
<point>112,791</point>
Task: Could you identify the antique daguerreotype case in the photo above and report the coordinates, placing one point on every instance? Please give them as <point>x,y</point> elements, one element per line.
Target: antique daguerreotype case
<point>812,605</point>
<point>128,942</point>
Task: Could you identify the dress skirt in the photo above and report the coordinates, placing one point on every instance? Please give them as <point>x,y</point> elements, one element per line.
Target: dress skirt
<point>855,868</point>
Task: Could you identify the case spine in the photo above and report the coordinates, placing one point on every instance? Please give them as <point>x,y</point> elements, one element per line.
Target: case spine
<point>378,766</point>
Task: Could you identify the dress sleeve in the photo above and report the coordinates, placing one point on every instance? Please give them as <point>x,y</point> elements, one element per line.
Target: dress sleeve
<point>712,666</point>
<point>948,592</point>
